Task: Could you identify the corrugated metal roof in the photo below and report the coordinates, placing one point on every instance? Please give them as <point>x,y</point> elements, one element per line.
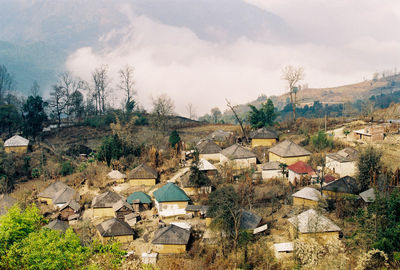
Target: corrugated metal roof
<point>308,193</point>
<point>300,167</point>
<point>368,195</point>
<point>312,222</point>
<point>284,247</point>
<point>346,184</point>
<point>16,140</point>
<point>288,148</point>
<point>205,165</point>
<point>170,193</point>
<point>139,195</point>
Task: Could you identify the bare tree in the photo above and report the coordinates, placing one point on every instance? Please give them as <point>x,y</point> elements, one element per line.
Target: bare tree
<point>57,103</point>
<point>216,114</point>
<point>70,86</point>
<point>244,133</point>
<point>101,88</point>
<point>127,84</point>
<point>293,75</point>
<point>7,82</point>
<point>163,107</point>
<point>191,110</point>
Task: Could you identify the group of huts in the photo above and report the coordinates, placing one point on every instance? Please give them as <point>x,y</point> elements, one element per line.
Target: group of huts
<point>118,215</point>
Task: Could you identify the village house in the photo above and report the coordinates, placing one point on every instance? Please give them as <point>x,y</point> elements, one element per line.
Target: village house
<point>328,178</point>
<point>189,187</point>
<point>72,207</point>
<point>6,202</point>
<point>143,175</point>
<point>116,176</point>
<point>209,150</point>
<point>57,225</point>
<point>171,239</point>
<point>344,186</point>
<point>263,137</point>
<point>132,218</point>
<point>16,144</point>
<point>271,170</point>
<point>170,200</point>
<point>306,197</point>
<point>206,167</point>
<point>311,224</point>
<point>288,152</point>
<point>300,170</point>
<point>115,229</point>
<point>58,194</point>
<point>140,201</point>
<point>220,137</point>
<point>368,196</point>
<point>370,134</point>
<point>103,204</point>
<point>250,221</point>
<point>238,157</point>
<point>121,209</point>
<point>343,162</point>
<point>197,210</point>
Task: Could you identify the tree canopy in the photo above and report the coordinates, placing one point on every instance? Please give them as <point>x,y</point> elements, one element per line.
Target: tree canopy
<point>264,116</point>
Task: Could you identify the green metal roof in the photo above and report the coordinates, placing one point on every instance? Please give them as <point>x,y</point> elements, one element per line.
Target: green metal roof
<point>138,195</point>
<point>170,193</point>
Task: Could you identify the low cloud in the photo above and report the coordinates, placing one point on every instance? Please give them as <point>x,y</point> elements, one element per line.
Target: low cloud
<point>174,60</point>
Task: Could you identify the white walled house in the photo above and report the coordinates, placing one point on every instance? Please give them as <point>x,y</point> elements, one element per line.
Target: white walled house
<point>343,162</point>
<point>298,170</point>
<point>271,170</point>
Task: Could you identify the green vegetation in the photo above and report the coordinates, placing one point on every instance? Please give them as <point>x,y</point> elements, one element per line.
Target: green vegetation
<point>66,168</point>
<point>263,117</point>
<point>174,138</point>
<point>380,224</point>
<point>25,245</point>
<point>113,148</point>
<point>369,167</point>
<point>34,116</point>
<point>321,141</point>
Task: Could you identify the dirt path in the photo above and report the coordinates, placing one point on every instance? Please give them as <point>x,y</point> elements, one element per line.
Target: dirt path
<point>178,175</point>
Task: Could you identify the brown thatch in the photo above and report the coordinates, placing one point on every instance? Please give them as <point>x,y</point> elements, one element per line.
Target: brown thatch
<point>263,133</point>
<point>106,200</point>
<point>114,227</point>
<point>289,149</point>
<point>143,172</point>
<point>237,151</point>
<point>57,225</point>
<point>208,147</point>
<point>171,235</point>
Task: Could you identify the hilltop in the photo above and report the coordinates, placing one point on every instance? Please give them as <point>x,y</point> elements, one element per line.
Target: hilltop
<point>330,95</point>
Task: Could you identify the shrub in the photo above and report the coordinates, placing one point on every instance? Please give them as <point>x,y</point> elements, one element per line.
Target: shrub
<point>174,138</point>
<point>35,173</point>
<point>66,168</point>
<point>320,141</point>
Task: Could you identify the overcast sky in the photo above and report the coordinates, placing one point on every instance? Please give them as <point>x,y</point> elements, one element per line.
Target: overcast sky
<point>203,51</point>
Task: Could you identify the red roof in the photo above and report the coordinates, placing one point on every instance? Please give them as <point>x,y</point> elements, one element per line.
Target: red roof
<point>301,167</point>
<point>329,178</point>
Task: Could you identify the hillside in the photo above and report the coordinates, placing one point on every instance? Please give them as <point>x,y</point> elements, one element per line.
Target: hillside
<point>330,95</point>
